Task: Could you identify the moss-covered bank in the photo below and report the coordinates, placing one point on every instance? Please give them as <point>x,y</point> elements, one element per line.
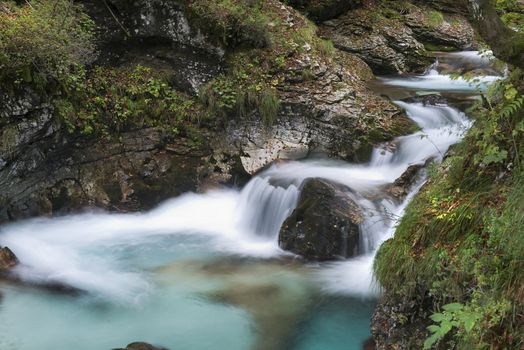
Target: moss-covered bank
<point>459,250</point>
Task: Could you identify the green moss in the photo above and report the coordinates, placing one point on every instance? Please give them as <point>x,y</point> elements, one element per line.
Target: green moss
<point>268,106</point>
<point>434,18</point>
<point>233,22</point>
<point>512,13</point>
<point>326,47</point>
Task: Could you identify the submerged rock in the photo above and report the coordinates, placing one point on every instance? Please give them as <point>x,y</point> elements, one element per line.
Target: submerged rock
<point>325,224</point>
<point>276,293</point>
<point>8,259</point>
<point>141,346</point>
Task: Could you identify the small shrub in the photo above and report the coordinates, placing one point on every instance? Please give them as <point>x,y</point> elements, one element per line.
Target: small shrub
<point>326,48</point>
<point>233,22</point>
<point>268,106</point>
<point>44,41</point>
<point>434,18</point>
<point>112,100</point>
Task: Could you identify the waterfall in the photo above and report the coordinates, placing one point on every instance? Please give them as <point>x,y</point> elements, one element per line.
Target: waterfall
<point>263,207</point>
<point>85,251</point>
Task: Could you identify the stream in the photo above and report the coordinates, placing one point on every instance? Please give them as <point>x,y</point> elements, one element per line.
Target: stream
<point>204,271</point>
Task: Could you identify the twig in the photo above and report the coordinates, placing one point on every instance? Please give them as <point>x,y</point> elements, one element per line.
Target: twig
<point>116,20</point>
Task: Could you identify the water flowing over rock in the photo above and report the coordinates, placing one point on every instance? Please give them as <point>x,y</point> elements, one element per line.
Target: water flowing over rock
<point>325,224</point>
<point>333,113</point>
<point>264,207</point>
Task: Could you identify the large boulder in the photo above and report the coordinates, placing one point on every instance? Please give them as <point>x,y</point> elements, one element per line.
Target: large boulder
<point>8,259</point>
<point>386,45</point>
<point>141,346</point>
<point>325,224</point>
<point>395,37</point>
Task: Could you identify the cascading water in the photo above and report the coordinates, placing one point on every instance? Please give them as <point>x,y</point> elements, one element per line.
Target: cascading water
<point>264,207</point>
<point>157,276</point>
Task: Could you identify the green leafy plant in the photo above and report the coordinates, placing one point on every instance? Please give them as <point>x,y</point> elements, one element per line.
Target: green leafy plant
<point>454,315</point>
<point>113,100</point>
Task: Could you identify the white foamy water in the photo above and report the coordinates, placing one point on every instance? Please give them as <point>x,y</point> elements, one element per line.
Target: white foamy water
<point>433,81</point>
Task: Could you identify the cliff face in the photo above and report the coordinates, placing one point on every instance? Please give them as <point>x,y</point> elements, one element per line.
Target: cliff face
<point>46,170</point>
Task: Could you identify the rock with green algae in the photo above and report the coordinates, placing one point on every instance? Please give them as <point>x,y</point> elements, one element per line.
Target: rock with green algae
<point>325,224</point>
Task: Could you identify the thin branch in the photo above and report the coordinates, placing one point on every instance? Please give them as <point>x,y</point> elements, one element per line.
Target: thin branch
<point>116,19</point>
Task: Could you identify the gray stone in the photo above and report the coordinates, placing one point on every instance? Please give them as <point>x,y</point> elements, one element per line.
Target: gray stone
<point>325,224</point>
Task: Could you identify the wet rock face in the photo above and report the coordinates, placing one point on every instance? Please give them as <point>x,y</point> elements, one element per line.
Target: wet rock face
<point>402,186</point>
<point>386,45</point>
<point>325,224</point>
<point>331,113</point>
<point>156,34</point>
<point>45,170</point>
<point>141,346</point>
<point>8,259</point>
<point>122,19</point>
<point>398,44</point>
<point>399,323</point>
<point>453,31</point>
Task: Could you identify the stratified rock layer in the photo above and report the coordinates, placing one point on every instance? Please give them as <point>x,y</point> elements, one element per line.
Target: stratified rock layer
<point>395,41</point>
